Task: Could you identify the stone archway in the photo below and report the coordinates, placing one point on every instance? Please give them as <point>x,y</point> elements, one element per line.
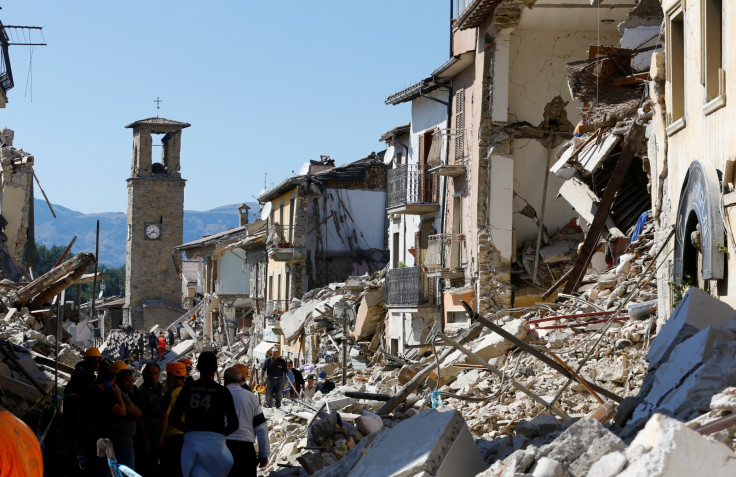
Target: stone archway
<point>700,233</point>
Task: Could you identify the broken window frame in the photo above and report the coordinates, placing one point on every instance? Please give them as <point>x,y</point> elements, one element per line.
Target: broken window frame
<point>676,72</point>
<point>713,76</point>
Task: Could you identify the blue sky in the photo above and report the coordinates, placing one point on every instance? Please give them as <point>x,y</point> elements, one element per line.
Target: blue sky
<point>265,85</point>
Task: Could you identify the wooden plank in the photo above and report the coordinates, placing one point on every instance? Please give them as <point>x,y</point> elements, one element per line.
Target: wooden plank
<point>419,378</point>
<point>534,352</point>
<point>633,138</point>
<point>79,261</point>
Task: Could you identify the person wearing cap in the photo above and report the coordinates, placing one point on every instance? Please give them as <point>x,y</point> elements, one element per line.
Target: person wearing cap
<point>324,385</point>
<point>172,437</point>
<point>252,425</point>
<point>97,411</point>
<point>79,386</point>
<point>188,363</point>
<point>123,427</point>
<point>206,413</point>
<point>275,368</point>
<point>309,388</point>
<point>149,399</point>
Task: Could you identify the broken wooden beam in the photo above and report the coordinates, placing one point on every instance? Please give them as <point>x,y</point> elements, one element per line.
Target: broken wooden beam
<point>419,378</point>
<point>368,396</point>
<point>633,139</point>
<point>46,295</point>
<point>551,406</point>
<point>533,351</point>
<point>81,261</point>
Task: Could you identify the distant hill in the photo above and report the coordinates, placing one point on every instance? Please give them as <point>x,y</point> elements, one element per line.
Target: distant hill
<point>68,223</point>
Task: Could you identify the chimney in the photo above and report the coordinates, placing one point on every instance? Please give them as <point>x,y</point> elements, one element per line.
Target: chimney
<point>243,213</point>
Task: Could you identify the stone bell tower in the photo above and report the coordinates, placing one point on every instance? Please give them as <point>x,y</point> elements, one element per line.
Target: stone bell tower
<point>155,226</point>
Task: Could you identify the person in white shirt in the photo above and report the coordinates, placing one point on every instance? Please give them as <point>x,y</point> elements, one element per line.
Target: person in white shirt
<point>309,389</point>
<point>252,425</point>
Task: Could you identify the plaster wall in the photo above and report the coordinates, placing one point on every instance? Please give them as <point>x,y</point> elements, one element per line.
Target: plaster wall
<point>708,138</point>
<point>536,76</point>
<point>233,274</point>
<point>463,40</point>
<point>361,211</point>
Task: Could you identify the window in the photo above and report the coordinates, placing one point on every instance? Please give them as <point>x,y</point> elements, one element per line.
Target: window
<point>287,286</point>
<point>459,126</point>
<point>712,74</point>
<point>461,6</point>
<point>291,219</point>
<point>676,69</point>
<point>457,317</point>
<point>270,287</point>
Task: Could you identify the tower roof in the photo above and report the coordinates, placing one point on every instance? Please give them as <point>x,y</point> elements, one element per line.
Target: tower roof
<point>157,125</point>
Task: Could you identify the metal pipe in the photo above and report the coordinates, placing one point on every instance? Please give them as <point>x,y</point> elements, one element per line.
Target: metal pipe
<point>544,205</point>
<point>94,280</point>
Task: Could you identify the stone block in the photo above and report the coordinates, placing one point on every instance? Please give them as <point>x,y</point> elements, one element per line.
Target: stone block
<point>369,423</point>
<point>658,68</point>
<point>540,426</point>
<point>430,443</point>
<point>668,447</point>
<point>581,444</point>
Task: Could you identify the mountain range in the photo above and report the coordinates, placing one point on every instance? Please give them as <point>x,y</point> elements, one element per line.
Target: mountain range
<point>68,223</point>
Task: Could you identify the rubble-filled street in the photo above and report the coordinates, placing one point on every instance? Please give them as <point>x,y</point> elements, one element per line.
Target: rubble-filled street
<point>529,275</point>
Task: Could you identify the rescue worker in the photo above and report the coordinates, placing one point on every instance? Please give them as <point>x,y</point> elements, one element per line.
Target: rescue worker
<point>206,411</point>
<point>172,437</point>
<point>80,385</point>
<point>149,399</point>
<point>161,344</point>
<point>20,452</point>
<point>153,344</point>
<point>98,408</point>
<point>275,368</point>
<point>252,425</point>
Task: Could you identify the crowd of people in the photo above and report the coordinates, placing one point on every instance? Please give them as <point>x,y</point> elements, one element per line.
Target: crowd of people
<point>180,426</point>
<point>176,426</point>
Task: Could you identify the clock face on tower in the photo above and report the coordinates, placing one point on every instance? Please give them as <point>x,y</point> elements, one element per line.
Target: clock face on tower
<point>153,231</point>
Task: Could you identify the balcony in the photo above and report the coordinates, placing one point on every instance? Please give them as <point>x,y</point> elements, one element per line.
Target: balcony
<point>409,288</point>
<point>281,251</point>
<point>445,254</point>
<point>274,310</point>
<point>411,189</point>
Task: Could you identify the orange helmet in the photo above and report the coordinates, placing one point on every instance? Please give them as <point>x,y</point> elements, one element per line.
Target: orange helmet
<point>243,368</point>
<point>93,352</point>
<point>176,369</point>
<point>118,366</point>
<point>187,362</point>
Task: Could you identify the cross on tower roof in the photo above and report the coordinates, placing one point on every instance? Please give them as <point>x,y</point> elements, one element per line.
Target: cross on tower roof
<point>158,102</point>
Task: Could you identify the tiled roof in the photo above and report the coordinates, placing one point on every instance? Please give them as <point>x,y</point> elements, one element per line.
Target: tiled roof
<point>395,132</point>
<point>412,92</point>
<point>476,12</point>
<point>214,238</point>
<point>158,122</point>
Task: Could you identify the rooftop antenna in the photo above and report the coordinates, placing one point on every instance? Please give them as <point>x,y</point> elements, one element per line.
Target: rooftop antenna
<point>158,102</point>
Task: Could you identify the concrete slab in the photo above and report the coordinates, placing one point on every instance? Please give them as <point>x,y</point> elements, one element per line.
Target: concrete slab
<point>432,442</point>
<point>697,311</point>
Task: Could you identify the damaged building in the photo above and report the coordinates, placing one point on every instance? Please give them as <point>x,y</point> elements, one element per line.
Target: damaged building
<point>325,224</point>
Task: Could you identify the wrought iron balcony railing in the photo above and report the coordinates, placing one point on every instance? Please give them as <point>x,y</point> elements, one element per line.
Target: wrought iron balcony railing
<point>445,253</point>
<point>409,287</point>
<point>411,185</point>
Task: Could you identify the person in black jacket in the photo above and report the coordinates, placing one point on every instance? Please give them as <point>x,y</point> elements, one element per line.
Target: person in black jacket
<point>298,380</point>
<point>209,415</point>
<point>275,368</point>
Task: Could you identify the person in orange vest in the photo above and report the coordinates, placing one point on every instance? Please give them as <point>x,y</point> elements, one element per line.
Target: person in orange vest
<point>172,438</point>
<point>161,343</point>
<point>20,452</point>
